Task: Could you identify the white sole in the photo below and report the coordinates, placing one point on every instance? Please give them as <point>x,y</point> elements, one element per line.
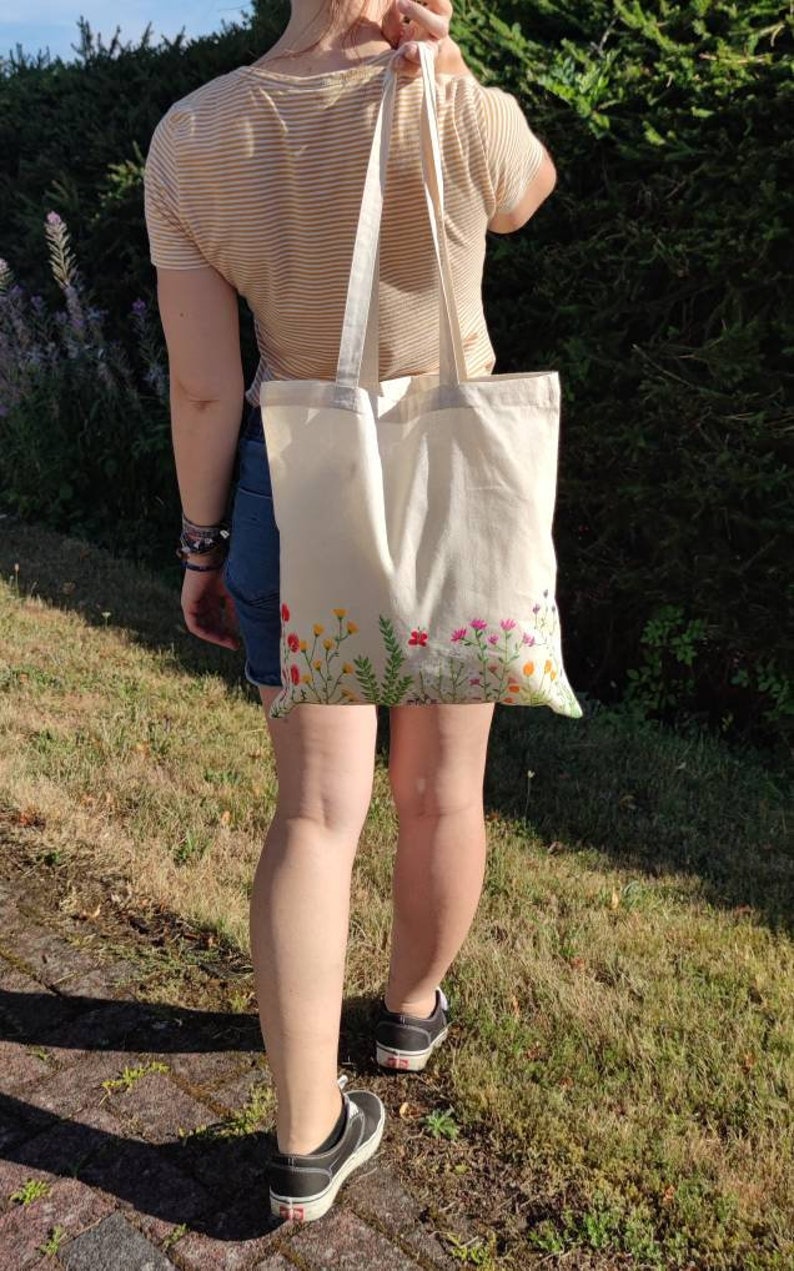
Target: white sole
<point>292,1210</point>
<point>406,1060</point>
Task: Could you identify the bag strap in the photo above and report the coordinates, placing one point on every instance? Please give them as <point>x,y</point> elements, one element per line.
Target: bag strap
<point>359,346</point>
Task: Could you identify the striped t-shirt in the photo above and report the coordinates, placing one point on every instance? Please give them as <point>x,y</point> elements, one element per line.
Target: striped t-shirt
<point>260,174</point>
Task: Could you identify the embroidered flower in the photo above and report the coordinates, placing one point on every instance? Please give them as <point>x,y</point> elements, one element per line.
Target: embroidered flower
<point>493,639</point>
<point>293,642</point>
<point>328,644</point>
<point>459,634</point>
<point>340,613</point>
<point>295,674</point>
<point>478,624</point>
<point>528,668</point>
<point>318,628</point>
<point>284,613</point>
<point>418,637</point>
<point>352,628</point>
<point>507,624</point>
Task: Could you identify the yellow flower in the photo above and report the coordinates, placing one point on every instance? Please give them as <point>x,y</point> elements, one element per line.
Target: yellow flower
<point>347,668</point>
<point>553,675</point>
<point>547,667</point>
<point>328,644</point>
<point>340,613</point>
<point>528,668</point>
<point>352,628</point>
<point>306,679</point>
<point>302,646</point>
<point>317,664</point>
<point>318,628</point>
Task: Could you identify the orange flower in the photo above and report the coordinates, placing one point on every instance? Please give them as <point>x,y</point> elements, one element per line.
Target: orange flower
<point>328,644</point>
<point>306,679</point>
<point>528,668</point>
<point>318,628</point>
<point>317,664</point>
<point>347,668</point>
<point>303,646</point>
<point>547,667</point>
<point>340,613</point>
<point>352,628</point>
<point>513,688</point>
<point>553,675</point>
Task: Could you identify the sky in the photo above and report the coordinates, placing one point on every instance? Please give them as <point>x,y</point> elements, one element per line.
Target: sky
<point>52,24</point>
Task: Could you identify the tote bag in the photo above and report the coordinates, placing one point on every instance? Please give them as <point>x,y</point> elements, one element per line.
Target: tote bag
<point>414,514</point>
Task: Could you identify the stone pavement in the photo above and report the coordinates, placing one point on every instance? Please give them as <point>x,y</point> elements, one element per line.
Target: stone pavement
<point>128,1131</point>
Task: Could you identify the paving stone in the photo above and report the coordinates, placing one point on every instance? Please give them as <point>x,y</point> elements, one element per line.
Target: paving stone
<point>160,1109</point>
<point>49,957</point>
<point>78,1087</point>
<point>235,1094</point>
<point>233,1238</point>
<point>208,1069</point>
<point>340,1241</point>
<point>378,1195</point>
<point>119,978</point>
<point>20,1067</point>
<point>24,1228</point>
<point>14,1175</point>
<point>112,1243</point>
<point>29,1011</point>
<point>275,1263</point>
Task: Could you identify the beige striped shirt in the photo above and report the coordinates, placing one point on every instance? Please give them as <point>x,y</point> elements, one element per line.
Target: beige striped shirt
<point>259,174</point>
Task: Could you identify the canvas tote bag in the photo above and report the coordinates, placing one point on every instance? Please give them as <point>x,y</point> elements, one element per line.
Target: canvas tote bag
<point>414,514</point>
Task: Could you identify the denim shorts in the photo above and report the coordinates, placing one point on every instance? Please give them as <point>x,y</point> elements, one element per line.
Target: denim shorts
<point>251,571</point>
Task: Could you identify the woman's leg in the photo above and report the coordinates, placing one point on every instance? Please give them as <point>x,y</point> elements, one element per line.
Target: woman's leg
<point>300,907</point>
<point>437,769</point>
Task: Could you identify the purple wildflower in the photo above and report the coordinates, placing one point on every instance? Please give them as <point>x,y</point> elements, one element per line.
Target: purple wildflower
<point>139,307</point>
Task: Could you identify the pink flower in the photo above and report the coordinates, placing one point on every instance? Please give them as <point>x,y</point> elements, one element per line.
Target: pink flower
<point>478,624</point>
<point>476,680</point>
<point>507,624</point>
<point>295,674</point>
<point>459,634</point>
<point>528,639</point>
<point>54,219</point>
<point>284,613</point>
<point>493,639</point>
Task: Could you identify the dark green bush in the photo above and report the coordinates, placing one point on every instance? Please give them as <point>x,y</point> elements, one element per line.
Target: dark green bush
<point>655,280</point>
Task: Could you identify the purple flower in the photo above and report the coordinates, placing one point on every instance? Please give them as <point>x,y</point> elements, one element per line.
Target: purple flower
<point>507,624</point>
<point>139,307</point>
<point>54,219</point>
<point>493,639</point>
<point>528,639</point>
<point>459,634</point>
<point>536,608</point>
<point>478,624</point>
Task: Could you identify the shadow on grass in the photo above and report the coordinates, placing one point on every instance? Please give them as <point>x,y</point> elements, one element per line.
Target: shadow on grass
<point>633,793</point>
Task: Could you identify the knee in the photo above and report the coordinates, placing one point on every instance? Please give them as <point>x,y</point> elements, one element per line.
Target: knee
<point>420,795</point>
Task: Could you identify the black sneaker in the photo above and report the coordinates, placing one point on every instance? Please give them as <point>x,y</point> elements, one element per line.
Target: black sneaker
<point>406,1042</point>
<point>303,1188</point>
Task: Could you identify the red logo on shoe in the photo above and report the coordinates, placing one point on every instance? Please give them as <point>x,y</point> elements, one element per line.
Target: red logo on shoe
<point>291,1211</point>
<point>396,1061</point>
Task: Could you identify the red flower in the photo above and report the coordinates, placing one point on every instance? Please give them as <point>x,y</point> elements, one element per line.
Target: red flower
<point>284,613</point>
<point>418,637</point>
<point>293,642</point>
<point>295,674</point>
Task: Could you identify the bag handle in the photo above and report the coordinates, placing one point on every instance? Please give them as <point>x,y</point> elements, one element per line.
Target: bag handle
<point>359,346</point>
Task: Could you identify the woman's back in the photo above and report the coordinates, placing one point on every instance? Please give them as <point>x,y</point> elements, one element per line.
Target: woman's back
<point>260,175</point>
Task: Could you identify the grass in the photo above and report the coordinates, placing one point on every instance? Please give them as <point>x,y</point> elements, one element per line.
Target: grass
<point>622,1045</point>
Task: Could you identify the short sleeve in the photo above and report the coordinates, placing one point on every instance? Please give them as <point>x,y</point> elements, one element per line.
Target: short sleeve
<point>513,152</point>
<point>171,245</point>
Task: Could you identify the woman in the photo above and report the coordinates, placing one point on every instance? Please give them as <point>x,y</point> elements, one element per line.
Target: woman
<point>253,185</point>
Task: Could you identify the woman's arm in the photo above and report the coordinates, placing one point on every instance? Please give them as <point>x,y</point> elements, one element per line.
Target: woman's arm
<point>200,317</point>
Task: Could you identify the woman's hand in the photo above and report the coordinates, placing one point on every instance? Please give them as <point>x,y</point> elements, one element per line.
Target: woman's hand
<point>208,607</point>
<point>405,22</point>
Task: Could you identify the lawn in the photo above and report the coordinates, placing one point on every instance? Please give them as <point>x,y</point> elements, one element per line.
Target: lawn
<point>622,1055</point>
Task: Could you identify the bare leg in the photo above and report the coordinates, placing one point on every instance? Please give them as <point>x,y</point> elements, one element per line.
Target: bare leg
<point>300,907</point>
<point>437,768</point>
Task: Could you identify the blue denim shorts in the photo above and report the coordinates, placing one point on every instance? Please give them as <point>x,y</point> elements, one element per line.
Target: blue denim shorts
<point>251,571</point>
